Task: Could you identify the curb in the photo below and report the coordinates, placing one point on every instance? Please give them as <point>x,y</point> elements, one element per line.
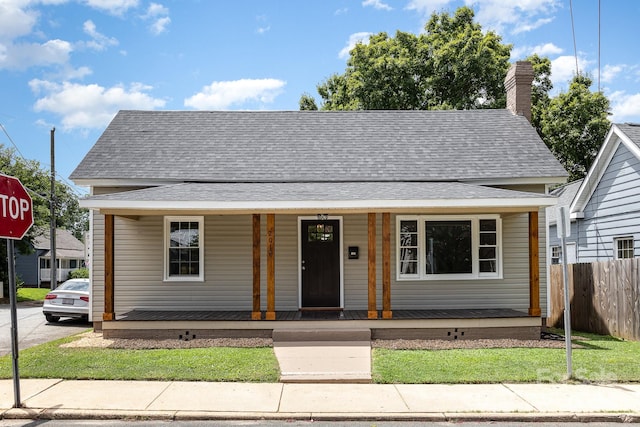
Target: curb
<point>103,414</point>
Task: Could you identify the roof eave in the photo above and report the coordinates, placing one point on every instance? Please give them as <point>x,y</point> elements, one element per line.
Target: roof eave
<point>318,206</point>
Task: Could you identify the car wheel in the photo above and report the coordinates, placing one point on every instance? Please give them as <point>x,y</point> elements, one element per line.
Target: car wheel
<point>51,318</point>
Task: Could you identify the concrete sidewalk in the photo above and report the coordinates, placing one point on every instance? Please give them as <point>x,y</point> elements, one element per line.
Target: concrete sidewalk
<point>163,400</point>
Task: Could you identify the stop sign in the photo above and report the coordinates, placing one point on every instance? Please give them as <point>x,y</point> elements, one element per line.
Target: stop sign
<point>16,208</point>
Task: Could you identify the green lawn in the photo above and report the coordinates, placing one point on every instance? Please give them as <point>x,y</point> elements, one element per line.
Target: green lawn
<point>206,364</point>
<point>31,294</point>
<point>601,359</point>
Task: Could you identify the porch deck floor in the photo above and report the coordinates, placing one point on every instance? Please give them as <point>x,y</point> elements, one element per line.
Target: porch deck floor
<point>153,315</point>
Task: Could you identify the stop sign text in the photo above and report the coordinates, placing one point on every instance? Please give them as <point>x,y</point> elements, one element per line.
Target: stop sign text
<point>16,208</point>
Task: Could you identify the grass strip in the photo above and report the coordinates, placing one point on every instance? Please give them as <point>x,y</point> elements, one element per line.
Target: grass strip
<point>599,359</point>
<point>196,364</point>
<point>31,294</point>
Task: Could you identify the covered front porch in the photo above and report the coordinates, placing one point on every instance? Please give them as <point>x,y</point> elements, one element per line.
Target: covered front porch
<point>255,264</point>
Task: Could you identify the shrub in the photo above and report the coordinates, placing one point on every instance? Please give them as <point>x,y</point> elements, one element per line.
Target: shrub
<point>80,273</point>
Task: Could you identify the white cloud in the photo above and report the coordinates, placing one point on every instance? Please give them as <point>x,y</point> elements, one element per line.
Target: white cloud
<point>263,30</point>
<point>160,25</point>
<point>547,49</point>
<point>530,26</point>
<point>98,41</point>
<point>222,95</point>
<point>353,40</point>
<point>263,24</point>
<point>15,19</point>
<point>376,4</point>
<point>25,55</point>
<point>563,69</point>
<point>519,15</point>
<point>156,9</point>
<point>90,106</point>
<point>610,72</point>
<point>159,14</point>
<point>341,11</point>
<point>427,7</point>
<point>114,7</point>
<point>625,107</point>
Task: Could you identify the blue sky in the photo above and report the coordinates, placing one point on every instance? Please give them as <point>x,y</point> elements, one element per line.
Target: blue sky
<point>72,64</point>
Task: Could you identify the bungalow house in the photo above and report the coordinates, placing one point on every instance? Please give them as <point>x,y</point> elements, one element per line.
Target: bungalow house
<point>407,223</point>
<point>34,268</point>
<point>604,207</point>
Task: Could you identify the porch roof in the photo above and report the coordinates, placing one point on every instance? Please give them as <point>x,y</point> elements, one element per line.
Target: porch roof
<point>316,197</point>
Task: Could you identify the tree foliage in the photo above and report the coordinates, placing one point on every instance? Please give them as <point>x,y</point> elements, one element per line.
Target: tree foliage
<point>307,102</point>
<point>540,89</point>
<point>69,215</point>
<point>452,65</point>
<point>574,125</point>
<point>455,65</point>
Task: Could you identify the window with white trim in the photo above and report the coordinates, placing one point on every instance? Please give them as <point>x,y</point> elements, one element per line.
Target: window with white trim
<point>184,248</point>
<point>449,247</point>
<point>624,247</point>
<point>556,254</point>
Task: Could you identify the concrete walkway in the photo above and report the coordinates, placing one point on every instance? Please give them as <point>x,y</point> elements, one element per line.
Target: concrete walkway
<point>323,356</point>
<point>163,400</point>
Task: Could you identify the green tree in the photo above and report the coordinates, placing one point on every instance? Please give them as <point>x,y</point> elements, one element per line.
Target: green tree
<point>574,125</point>
<point>540,89</point>
<point>454,64</point>
<point>69,215</point>
<point>307,102</point>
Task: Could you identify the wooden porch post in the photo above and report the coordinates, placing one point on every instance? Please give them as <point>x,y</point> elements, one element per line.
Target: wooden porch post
<point>386,266</point>
<point>109,309</point>
<point>534,265</point>
<point>271,267</point>
<point>256,314</point>
<point>372,312</point>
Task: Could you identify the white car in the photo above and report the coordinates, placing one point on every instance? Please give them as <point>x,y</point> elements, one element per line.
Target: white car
<point>70,299</point>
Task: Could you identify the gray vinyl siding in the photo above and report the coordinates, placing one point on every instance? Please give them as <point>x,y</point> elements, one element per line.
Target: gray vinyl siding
<point>512,291</point>
<point>139,284</point>
<point>554,240</point>
<point>613,210</point>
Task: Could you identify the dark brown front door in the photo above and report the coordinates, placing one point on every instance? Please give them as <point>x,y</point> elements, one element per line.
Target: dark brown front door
<point>320,263</point>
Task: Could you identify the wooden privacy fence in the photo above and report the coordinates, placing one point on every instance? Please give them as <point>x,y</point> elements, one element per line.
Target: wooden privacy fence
<point>605,297</point>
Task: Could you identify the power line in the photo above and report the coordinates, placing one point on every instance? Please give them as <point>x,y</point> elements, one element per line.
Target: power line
<point>11,140</point>
<point>73,188</point>
<point>599,68</point>
<point>573,32</point>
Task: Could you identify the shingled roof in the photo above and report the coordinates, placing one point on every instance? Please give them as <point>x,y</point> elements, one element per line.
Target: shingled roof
<point>317,146</point>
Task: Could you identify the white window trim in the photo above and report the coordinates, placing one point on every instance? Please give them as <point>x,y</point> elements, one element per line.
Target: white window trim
<point>618,239</point>
<point>167,226</point>
<point>475,245</point>
<point>551,257</point>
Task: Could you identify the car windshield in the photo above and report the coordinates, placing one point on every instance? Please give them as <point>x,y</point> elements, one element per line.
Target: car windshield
<point>74,285</point>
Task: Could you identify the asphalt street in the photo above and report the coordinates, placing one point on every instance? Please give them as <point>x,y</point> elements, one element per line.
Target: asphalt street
<point>33,329</point>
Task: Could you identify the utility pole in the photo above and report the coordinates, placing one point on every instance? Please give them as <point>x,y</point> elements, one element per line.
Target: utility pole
<point>52,208</point>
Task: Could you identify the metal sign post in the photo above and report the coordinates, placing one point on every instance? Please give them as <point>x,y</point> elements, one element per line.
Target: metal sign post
<point>14,322</point>
<point>564,230</point>
<point>16,218</point>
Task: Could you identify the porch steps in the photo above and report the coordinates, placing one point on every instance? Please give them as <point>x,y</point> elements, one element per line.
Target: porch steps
<point>302,335</point>
<point>323,355</point>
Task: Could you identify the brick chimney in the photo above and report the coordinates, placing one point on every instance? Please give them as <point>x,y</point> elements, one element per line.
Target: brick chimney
<point>518,87</point>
